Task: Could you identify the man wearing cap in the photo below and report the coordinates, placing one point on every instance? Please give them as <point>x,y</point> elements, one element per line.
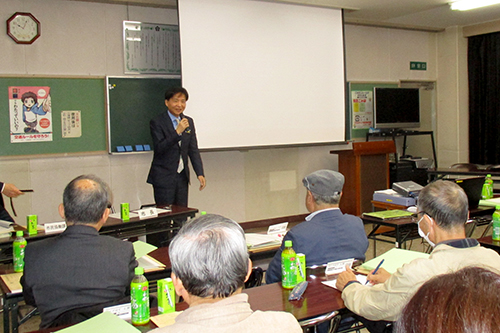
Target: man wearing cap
<point>326,234</point>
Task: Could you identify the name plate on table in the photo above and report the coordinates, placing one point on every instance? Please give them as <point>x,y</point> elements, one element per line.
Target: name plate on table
<point>277,229</point>
<point>337,267</point>
<point>54,227</point>
<point>123,311</point>
<point>147,212</point>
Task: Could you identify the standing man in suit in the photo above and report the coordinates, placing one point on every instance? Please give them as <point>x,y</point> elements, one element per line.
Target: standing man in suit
<point>11,191</point>
<point>71,277</point>
<point>174,139</point>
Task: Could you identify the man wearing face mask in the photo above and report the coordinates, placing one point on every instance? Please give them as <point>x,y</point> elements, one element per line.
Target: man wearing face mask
<point>442,214</point>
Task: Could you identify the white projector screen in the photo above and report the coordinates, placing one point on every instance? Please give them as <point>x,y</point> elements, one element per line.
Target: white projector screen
<point>261,73</point>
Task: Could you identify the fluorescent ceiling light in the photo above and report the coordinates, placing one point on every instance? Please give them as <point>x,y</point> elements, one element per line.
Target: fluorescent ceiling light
<point>472,4</point>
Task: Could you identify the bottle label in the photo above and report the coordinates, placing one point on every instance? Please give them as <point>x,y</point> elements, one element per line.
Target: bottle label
<point>139,301</point>
<point>18,255</point>
<point>288,271</point>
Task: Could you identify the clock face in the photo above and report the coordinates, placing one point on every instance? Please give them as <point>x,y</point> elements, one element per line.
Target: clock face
<point>23,28</point>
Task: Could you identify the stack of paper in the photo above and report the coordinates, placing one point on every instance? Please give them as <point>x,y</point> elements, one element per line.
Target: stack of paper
<point>261,240</point>
<point>490,202</point>
<point>389,214</point>
<point>145,261</point>
<point>12,281</point>
<point>393,259</point>
<point>6,228</point>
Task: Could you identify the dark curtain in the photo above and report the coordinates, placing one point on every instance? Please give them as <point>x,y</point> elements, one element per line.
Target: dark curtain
<point>484,98</point>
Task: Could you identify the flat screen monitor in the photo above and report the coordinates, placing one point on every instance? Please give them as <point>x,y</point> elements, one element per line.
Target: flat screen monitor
<point>396,107</point>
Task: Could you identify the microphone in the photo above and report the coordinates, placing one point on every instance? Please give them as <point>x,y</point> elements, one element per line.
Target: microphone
<point>188,129</point>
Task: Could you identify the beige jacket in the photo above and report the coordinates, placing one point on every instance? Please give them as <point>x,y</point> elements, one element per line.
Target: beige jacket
<point>230,315</point>
<point>386,301</point>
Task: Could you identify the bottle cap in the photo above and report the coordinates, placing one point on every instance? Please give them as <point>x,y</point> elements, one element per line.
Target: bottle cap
<point>139,271</point>
<point>19,233</point>
<point>288,243</point>
<point>497,207</point>
<point>203,212</point>
<point>488,175</point>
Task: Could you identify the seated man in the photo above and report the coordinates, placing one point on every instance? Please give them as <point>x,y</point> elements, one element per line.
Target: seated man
<point>442,212</point>
<point>78,269</point>
<point>210,264</point>
<point>327,234</point>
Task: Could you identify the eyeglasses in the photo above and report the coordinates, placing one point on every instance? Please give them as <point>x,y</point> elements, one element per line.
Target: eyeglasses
<point>419,215</point>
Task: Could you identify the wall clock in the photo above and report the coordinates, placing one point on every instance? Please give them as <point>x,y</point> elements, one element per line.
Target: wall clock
<point>23,28</point>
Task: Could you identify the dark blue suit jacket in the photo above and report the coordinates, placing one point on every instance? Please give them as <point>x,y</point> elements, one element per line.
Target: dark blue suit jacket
<point>167,151</point>
<point>4,215</point>
<point>76,269</point>
<point>328,236</point>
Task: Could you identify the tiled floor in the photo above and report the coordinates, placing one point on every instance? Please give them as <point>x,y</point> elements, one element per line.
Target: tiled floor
<point>415,245</point>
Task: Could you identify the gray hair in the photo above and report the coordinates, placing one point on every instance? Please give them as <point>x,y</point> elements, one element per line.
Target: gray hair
<point>326,199</point>
<point>85,199</point>
<point>445,202</point>
<point>209,255</point>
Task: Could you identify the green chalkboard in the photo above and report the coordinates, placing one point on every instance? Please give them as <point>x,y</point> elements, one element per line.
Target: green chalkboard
<point>67,94</point>
<point>365,86</point>
<point>132,103</point>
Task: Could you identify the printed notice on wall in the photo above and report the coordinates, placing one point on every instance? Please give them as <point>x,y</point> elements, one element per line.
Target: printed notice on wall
<point>151,48</point>
<point>362,109</point>
<point>71,124</point>
<point>30,111</point>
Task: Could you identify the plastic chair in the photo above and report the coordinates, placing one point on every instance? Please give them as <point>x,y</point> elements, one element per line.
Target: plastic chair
<point>331,319</point>
<point>468,166</point>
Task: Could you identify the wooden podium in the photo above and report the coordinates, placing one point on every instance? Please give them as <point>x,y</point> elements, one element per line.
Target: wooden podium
<point>366,169</point>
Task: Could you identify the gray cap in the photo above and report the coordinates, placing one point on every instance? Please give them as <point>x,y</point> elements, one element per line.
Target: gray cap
<point>324,182</point>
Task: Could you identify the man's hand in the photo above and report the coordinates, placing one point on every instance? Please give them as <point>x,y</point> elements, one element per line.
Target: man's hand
<point>380,277</point>
<point>11,191</point>
<point>181,127</point>
<point>345,277</point>
<point>203,182</point>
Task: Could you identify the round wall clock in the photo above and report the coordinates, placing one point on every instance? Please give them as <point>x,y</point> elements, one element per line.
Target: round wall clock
<point>23,28</point>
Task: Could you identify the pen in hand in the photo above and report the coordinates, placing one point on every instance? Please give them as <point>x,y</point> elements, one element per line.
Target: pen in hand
<point>376,269</point>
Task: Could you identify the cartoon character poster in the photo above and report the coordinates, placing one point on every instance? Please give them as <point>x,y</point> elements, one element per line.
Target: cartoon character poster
<point>30,114</point>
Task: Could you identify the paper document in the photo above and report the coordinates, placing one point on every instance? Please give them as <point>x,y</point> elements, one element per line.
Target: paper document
<point>105,322</point>
<point>165,319</point>
<point>393,259</point>
<point>150,264</point>
<point>490,202</point>
<point>6,224</point>
<point>12,281</point>
<point>260,240</point>
<point>389,214</point>
<point>332,283</point>
<point>142,248</point>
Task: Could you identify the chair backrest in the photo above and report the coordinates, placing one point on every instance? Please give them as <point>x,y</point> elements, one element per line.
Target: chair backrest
<point>468,166</point>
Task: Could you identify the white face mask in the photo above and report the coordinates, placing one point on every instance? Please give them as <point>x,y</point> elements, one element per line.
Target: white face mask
<point>424,236</point>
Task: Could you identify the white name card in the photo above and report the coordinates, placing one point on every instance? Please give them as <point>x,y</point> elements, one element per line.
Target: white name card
<point>122,311</point>
<point>147,212</point>
<point>54,227</point>
<point>277,229</point>
<point>337,267</point>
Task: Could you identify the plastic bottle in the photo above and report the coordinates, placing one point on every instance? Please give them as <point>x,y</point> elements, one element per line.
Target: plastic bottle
<point>139,298</point>
<point>496,224</point>
<point>487,192</point>
<point>19,246</point>
<point>288,266</point>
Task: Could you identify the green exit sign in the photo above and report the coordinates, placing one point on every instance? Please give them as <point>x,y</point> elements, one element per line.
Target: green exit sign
<point>418,66</point>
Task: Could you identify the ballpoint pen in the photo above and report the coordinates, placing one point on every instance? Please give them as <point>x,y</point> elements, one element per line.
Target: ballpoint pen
<point>376,269</point>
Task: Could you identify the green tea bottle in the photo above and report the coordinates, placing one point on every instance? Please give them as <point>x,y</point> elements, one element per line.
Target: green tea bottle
<point>496,224</point>
<point>139,298</point>
<point>288,266</point>
<point>19,246</point>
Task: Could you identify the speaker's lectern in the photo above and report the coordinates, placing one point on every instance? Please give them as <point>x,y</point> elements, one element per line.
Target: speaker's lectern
<point>366,169</point>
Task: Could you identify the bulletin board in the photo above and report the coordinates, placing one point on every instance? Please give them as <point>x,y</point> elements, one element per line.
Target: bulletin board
<point>86,95</point>
<point>360,108</point>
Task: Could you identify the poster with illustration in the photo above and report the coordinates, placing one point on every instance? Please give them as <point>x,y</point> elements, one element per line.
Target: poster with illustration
<point>30,114</point>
